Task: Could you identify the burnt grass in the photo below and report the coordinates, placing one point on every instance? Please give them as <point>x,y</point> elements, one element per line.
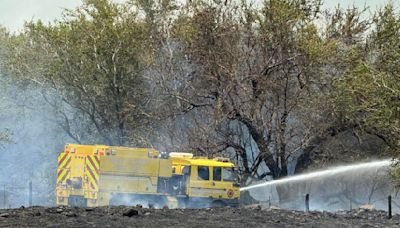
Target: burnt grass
<point>122,216</point>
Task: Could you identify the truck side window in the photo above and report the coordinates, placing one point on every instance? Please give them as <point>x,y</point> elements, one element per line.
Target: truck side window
<point>217,173</point>
<point>186,170</point>
<point>203,173</point>
<point>228,174</point>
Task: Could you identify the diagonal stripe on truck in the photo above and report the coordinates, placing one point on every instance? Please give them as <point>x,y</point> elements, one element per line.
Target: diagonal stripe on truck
<point>92,168</point>
<point>63,169</point>
<point>63,156</point>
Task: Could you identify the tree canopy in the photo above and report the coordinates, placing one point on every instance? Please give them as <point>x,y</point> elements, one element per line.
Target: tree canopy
<point>264,85</point>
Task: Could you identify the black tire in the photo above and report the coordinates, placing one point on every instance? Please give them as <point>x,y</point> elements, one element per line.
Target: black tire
<point>218,203</point>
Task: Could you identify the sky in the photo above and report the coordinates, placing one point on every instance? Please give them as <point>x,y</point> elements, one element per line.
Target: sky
<point>13,13</point>
<point>373,4</point>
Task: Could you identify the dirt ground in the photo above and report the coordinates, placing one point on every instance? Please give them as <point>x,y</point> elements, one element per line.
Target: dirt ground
<point>215,217</point>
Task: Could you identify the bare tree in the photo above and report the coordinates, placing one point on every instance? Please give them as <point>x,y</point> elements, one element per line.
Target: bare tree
<point>248,84</point>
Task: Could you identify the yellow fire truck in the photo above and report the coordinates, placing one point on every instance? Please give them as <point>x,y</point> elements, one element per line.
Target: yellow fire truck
<point>97,175</point>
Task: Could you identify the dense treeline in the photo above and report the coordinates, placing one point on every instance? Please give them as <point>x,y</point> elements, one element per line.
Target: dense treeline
<point>266,84</point>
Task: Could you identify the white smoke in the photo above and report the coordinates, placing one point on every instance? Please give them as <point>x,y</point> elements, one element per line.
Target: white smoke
<point>32,154</point>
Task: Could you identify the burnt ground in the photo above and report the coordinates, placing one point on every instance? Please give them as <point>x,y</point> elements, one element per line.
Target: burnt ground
<point>216,217</point>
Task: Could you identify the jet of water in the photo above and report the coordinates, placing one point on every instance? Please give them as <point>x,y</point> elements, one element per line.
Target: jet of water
<point>324,173</point>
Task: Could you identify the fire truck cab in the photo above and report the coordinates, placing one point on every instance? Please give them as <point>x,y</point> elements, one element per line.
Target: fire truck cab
<point>205,182</point>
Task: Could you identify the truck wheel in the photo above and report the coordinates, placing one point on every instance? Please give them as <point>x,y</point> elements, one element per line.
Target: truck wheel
<point>218,203</point>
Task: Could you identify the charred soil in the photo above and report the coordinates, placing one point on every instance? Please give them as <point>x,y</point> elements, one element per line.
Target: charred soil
<point>216,217</point>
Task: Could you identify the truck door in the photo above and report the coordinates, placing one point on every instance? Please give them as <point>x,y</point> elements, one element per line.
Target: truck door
<point>185,180</point>
<point>199,185</point>
<point>222,183</point>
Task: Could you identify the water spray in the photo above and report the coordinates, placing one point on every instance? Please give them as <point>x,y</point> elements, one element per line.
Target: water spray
<point>323,173</point>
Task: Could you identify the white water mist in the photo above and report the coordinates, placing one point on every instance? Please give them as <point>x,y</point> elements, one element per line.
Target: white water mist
<point>342,187</point>
<point>323,173</point>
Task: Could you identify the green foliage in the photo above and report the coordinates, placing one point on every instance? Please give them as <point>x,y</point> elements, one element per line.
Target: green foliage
<point>94,59</point>
<point>368,94</point>
<point>370,97</point>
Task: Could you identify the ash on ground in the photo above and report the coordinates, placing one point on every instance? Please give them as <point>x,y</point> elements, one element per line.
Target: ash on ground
<point>255,216</point>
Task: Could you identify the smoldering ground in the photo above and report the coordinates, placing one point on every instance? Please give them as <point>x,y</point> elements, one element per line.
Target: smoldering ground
<point>211,217</point>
